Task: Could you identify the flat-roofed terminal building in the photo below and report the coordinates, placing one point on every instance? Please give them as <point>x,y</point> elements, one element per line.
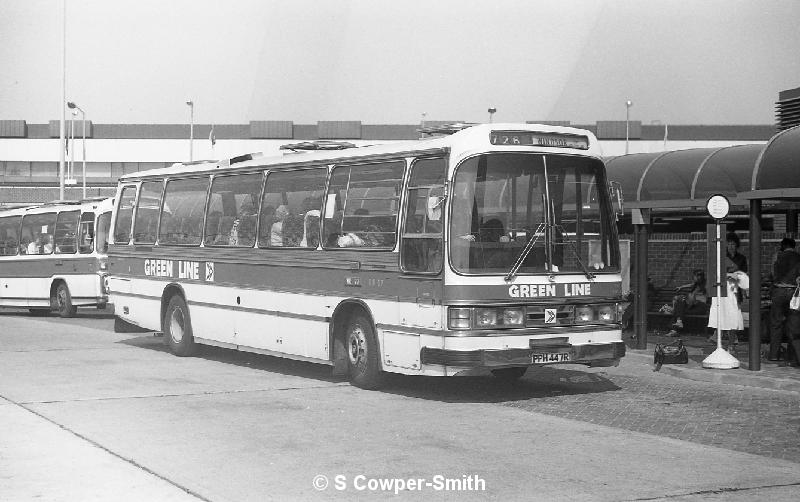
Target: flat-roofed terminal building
<point>29,153</point>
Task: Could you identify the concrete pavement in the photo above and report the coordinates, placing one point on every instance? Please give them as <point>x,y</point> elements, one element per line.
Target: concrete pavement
<point>775,376</point>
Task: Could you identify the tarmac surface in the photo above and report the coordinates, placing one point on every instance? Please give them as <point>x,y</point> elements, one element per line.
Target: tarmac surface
<point>89,415</point>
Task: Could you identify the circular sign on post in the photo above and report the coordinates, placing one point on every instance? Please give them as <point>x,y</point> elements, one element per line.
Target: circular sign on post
<point>718,206</point>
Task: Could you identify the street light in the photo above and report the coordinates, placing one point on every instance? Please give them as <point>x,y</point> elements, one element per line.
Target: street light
<point>628,105</point>
<point>191,129</point>
<point>491,111</point>
<point>74,107</point>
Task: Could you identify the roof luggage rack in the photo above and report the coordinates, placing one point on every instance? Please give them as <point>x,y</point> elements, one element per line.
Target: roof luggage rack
<point>445,129</point>
<point>320,144</point>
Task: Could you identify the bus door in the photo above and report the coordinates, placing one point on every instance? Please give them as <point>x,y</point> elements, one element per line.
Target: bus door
<point>11,287</point>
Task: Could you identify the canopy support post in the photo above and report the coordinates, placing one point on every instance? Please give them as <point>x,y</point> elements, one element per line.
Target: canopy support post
<point>755,286</point>
<point>641,220</point>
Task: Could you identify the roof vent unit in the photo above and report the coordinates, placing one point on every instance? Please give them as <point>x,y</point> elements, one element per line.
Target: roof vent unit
<point>192,163</point>
<point>445,129</point>
<point>321,144</point>
<point>240,158</point>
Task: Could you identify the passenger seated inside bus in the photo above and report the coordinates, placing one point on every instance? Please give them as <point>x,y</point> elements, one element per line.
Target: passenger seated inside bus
<point>276,230</point>
<point>242,231</point>
<point>35,246</point>
<point>47,247</point>
<point>310,229</point>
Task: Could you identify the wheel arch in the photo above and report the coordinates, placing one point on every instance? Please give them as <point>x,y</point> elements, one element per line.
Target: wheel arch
<point>55,281</point>
<point>171,290</point>
<point>341,314</point>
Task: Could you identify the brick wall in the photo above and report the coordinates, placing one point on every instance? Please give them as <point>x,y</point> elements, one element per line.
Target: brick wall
<point>672,257</point>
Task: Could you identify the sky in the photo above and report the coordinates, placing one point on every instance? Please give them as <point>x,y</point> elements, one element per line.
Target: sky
<point>390,62</point>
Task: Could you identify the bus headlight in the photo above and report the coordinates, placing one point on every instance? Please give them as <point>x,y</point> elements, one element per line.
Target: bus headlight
<point>458,318</point>
<point>485,317</point>
<point>606,313</point>
<point>513,317</point>
<point>584,314</point>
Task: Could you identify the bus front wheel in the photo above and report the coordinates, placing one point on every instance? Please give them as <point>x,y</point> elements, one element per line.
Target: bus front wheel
<point>362,353</point>
<point>178,328</point>
<point>62,301</point>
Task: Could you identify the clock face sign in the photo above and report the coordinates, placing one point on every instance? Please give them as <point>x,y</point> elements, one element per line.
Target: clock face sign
<point>718,206</point>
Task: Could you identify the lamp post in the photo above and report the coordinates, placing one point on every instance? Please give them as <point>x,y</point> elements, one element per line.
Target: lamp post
<point>491,111</point>
<point>191,129</point>
<point>62,113</point>
<point>74,107</point>
<point>628,105</point>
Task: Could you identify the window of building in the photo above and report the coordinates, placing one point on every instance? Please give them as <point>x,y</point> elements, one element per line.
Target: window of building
<point>147,208</point>
<point>42,170</point>
<point>232,210</point>
<point>290,208</point>
<point>65,234</point>
<point>18,169</point>
<point>9,235</point>
<point>182,213</point>
<point>362,204</point>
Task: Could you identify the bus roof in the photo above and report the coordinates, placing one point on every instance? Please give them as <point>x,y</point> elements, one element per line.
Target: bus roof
<point>97,204</point>
<point>459,139</point>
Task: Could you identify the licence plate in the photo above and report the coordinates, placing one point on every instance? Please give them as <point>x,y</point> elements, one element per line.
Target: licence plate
<point>553,357</point>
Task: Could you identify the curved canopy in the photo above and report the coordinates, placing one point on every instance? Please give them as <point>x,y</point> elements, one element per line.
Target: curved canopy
<point>777,172</point>
<point>684,178</point>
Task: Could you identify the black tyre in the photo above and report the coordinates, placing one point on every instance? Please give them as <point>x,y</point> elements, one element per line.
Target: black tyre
<point>178,328</point>
<point>510,374</point>
<point>363,359</point>
<point>62,301</point>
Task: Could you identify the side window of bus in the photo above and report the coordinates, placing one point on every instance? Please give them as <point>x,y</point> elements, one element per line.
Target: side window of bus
<point>37,233</point>
<point>422,243</point>
<point>290,208</point>
<point>9,235</point>
<point>65,235</point>
<point>86,233</point>
<point>122,227</point>
<point>362,205</point>
<point>103,224</point>
<point>182,212</point>
<point>146,223</point>
<point>232,218</point>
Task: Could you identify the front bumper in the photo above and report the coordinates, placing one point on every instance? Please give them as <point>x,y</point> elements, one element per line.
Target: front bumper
<point>593,354</point>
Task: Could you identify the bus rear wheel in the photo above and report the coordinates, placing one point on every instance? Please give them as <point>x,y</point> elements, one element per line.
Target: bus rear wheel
<point>62,301</point>
<point>178,328</point>
<point>363,360</point>
<point>510,374</point>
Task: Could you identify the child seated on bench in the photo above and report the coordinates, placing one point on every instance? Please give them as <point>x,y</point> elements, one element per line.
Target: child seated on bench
<point>693,302</point>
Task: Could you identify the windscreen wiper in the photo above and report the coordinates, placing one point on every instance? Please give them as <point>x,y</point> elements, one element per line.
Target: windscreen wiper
<point>525,252</point>
<point>586,271</point>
